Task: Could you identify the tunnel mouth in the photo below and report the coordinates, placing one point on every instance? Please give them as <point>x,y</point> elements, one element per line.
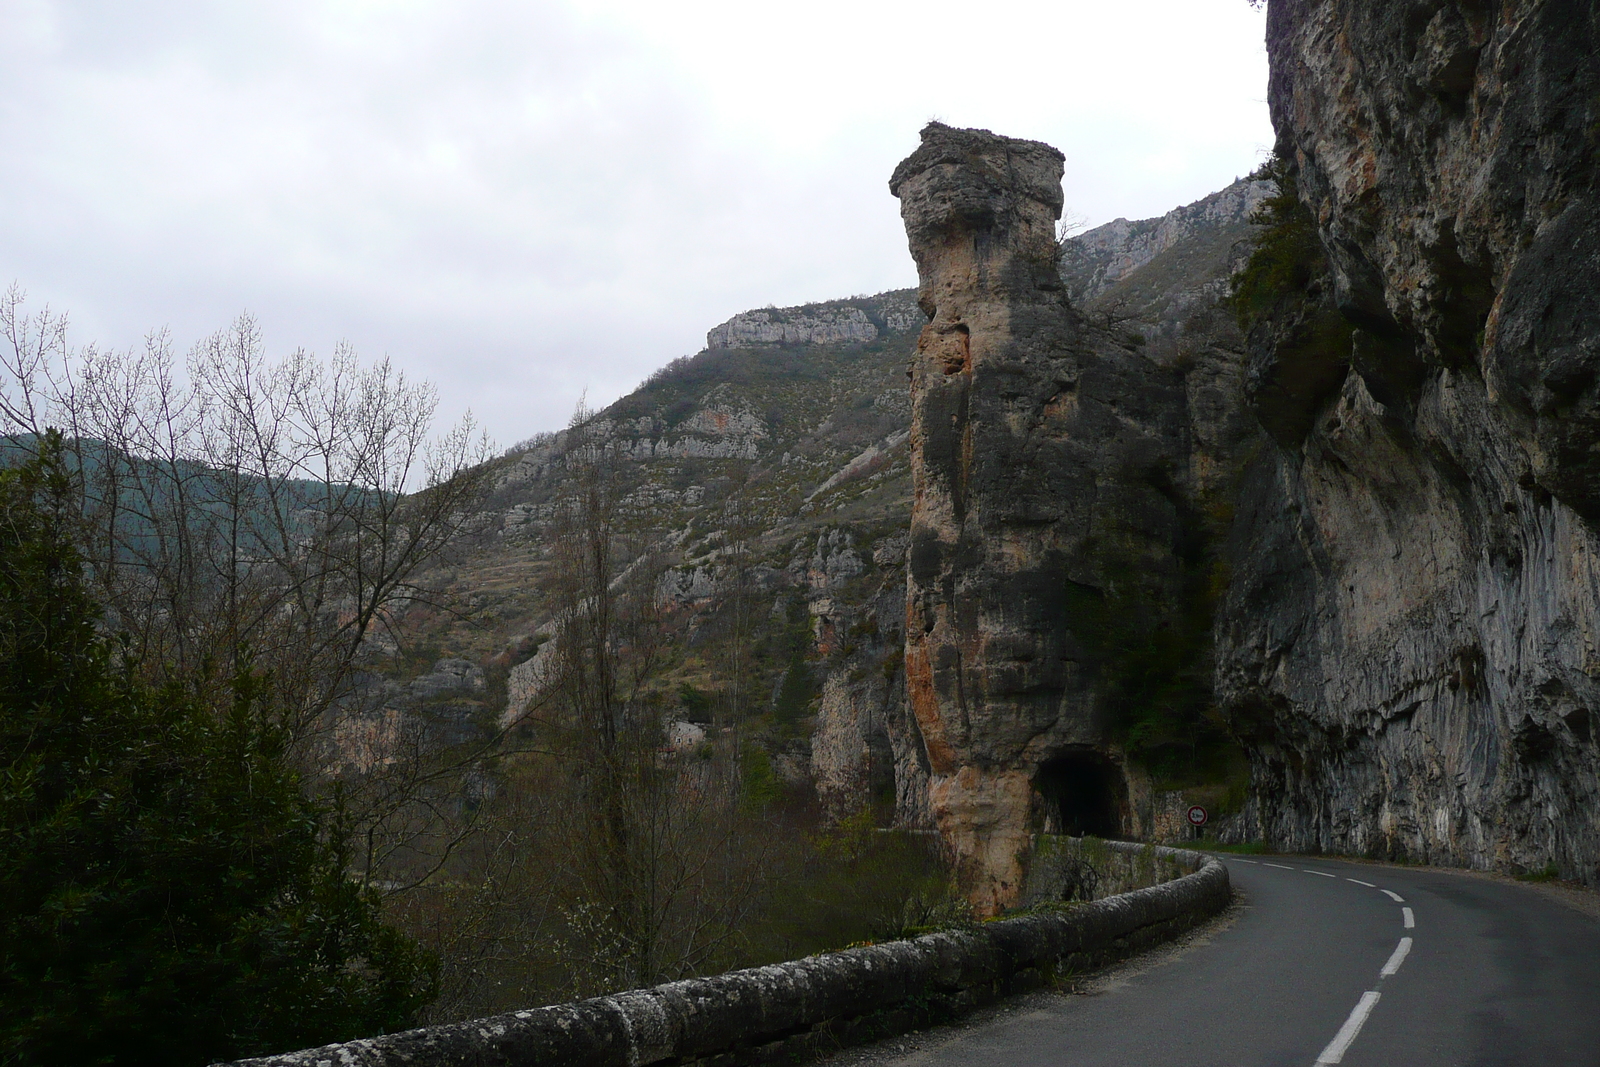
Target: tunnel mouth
<point>1084,793</point>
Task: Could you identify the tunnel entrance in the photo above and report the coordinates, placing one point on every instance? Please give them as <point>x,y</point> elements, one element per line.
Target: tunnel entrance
<point>1083,792</point>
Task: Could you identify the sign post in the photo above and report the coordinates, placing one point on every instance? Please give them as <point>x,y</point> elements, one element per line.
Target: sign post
<point>1197,818</point>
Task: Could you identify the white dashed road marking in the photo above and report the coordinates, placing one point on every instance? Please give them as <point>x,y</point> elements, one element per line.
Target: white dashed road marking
<point>1336,1049</point>
<point>1401,951</point>
<point>1347,1033</point>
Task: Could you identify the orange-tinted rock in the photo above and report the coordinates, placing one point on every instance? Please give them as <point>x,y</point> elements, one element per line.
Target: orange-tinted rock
<point>1044,453</point>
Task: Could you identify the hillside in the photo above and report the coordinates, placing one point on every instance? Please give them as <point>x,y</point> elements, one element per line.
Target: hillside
<point>793,424</point>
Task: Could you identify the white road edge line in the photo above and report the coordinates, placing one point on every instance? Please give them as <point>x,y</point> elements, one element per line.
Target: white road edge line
<point>1411,920</point>
<point>1236,859</point>
<point>1392,895</point>
<point>1358,881</point>
<point>1401,951</point>
<point>1347,1033</point>
<point>1324,874</point>
<point>1280,866</point>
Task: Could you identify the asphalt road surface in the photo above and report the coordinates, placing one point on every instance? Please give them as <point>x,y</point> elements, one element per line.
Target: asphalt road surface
<point>1327,962</point>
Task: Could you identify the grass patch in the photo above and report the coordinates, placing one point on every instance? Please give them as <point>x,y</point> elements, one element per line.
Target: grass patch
<point>1548,873</point>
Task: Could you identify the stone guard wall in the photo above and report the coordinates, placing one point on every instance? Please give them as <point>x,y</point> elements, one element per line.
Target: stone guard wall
<point>791,1011</point>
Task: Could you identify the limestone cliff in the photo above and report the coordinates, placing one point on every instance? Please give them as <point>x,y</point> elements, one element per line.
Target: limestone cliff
<point>1043,457</point>
<point>1409,640</point>
<point>839,322</point>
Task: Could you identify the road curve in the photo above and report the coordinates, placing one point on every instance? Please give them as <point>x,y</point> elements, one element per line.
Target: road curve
<point>1330,962</point>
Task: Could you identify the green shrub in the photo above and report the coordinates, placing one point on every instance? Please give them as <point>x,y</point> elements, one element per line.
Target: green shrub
<point>1548,873</point>
<point>171,894</point>
<point>1285,255</point>
<point>857,883</point>
<point>761,783</point>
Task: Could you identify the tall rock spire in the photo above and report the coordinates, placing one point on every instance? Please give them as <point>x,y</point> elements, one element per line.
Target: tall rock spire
<point>1044,453</point>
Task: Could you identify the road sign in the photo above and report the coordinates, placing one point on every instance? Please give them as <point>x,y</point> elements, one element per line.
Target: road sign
<point>1197,816</point>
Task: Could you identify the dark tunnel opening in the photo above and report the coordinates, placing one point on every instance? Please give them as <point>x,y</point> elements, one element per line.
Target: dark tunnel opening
<point>1084,793</point>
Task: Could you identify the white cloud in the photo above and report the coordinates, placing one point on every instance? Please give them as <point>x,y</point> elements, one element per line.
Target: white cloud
<point>520,200</point>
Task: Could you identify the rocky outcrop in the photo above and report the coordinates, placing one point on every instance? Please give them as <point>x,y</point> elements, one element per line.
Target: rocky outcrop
<point>1044,456</point>
<point>852,755</point>
<point>817,324</point>
<point>865,750</point>
<point>829,327</point>
<point>1409,640</point>
<point>715,431</point>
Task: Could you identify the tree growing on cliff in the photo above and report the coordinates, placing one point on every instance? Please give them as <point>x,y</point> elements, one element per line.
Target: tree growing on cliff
<point>172,896</point>
<point>659,865</point>
<point>1285,252</point>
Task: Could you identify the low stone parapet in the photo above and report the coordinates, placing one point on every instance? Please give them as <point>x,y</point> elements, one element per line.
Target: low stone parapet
<point>791,1011</point>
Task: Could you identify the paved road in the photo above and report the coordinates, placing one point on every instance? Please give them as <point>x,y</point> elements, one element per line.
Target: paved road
<point>1329,962</point>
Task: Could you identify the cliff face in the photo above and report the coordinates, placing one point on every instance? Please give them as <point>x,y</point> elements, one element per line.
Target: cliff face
<point>1409,640</point>
<point>1043,449</point>
<point>839,322</point>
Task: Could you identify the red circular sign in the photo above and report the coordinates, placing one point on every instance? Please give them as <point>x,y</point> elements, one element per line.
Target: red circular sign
<point>1197,816</point>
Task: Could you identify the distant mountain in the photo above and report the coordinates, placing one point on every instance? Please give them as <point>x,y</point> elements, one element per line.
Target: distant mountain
<point>1159,271</point>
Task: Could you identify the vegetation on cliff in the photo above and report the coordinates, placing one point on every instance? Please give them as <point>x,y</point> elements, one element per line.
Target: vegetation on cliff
<point>1285,251</point>
<point>1152,655</point>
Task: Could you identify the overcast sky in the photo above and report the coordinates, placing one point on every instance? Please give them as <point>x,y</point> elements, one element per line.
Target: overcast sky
<point>524,200</point>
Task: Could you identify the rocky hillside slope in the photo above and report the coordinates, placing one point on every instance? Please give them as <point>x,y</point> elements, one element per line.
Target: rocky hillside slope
<point>786,434</point>
<point>1153,269</point>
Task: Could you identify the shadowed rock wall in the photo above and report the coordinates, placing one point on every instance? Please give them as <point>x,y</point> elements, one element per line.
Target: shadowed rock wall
<point>1043,452</point>
<point>1409,641</point>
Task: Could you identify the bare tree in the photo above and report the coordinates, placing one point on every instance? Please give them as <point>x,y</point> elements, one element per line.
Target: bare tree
<point>244,508</point>
<point>1070,225</point>
<point>660,866</point>
<point>491,912</point>
<point>280,516</point>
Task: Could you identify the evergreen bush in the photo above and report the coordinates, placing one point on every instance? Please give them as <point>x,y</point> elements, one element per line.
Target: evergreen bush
<point>171,893</point>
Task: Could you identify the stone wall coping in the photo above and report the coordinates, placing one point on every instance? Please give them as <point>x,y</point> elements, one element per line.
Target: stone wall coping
<point>701,1017</point>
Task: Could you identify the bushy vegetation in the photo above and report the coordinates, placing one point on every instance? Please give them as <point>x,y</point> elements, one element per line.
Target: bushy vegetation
<point>1150,646</point>
<point>1285,252</point>
<point>854,883</point>
<point>172,895</point>
<point>270,794</point>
